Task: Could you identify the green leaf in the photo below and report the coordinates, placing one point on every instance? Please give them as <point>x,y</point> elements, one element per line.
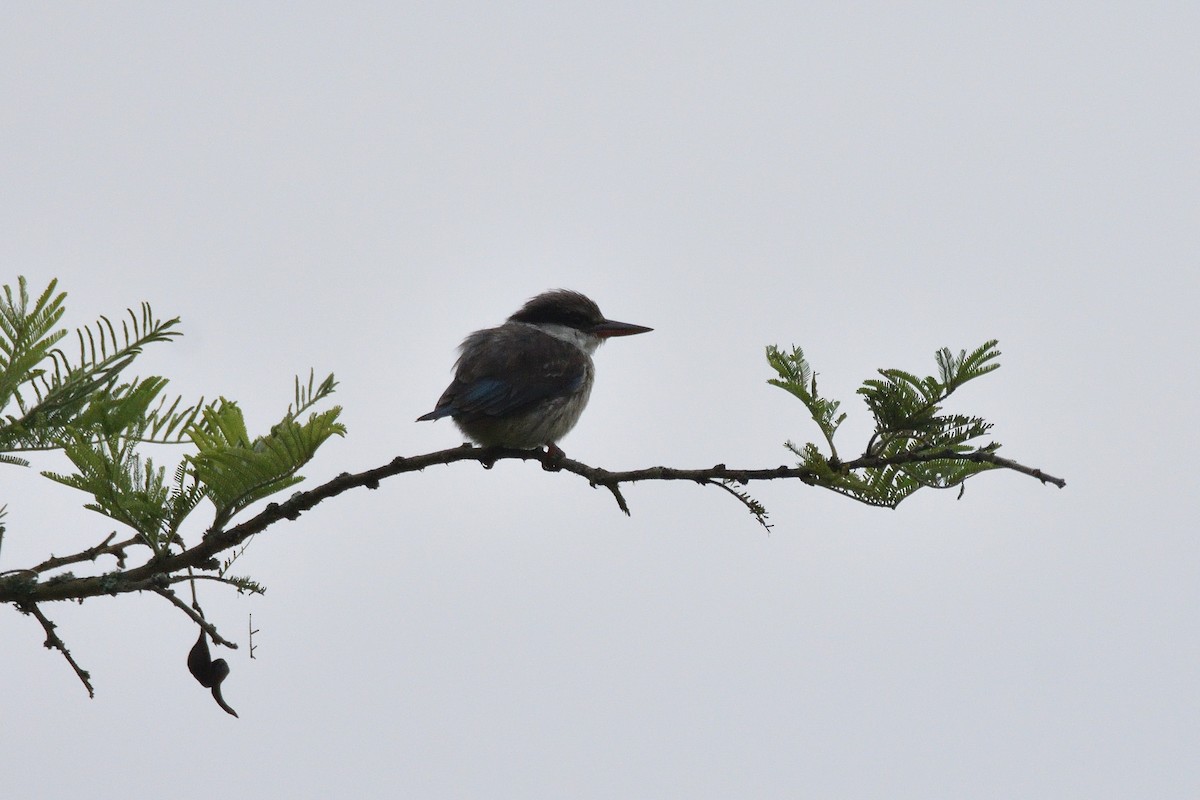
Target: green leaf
<point>236,471</point>
<point>123,487</point>
<point>957,371</point>
<point>798,378</point>
<point>308,396</point>
<point>26,335</point>
<point>50,390</point>
<point>910,430</point>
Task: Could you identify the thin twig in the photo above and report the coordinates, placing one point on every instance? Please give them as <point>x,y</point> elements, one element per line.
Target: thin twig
<point>54,642</point>
<point>199,620</point>
<point>979,457</point>
<point>215,578</point>
<point>91,554</point>
<point>753,506</point>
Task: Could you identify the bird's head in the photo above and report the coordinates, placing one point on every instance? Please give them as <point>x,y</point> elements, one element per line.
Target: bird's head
<point>565,312</point>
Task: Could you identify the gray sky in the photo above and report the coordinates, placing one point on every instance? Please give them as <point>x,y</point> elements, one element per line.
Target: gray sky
<point>355,188</point>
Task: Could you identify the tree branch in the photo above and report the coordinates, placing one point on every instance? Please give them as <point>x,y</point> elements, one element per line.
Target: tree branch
<point>53,642</point>
<point>978,457</point>
<point>106,547</point>
<point>23,588</point>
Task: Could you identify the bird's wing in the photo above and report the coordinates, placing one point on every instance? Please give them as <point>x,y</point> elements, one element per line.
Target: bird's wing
<point>504,371</point>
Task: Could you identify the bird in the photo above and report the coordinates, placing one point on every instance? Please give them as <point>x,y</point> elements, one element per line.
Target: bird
<point>524,384</point>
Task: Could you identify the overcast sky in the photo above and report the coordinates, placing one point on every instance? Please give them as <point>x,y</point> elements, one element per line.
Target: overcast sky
<point>356,187</point>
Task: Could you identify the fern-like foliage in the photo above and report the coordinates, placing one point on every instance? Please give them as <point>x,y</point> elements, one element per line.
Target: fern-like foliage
<point>79,404</point>
<point>230,468</point>
<point>236,470</point>
<point>797,377</point>
<point>50,390</point>
<point>27,339</point>
<point>308,395</point>
<point>81,400</point>
<point>27,335</point>
<point>125,487</point>
<point>914,444</point>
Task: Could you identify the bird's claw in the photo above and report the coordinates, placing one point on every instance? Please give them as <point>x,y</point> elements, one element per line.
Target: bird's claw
<point>552,457</point>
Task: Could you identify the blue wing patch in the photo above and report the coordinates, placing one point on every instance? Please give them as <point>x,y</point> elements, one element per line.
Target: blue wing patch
<point>507,371</point>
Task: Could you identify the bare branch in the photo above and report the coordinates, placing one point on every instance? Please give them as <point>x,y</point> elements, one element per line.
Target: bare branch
<point>91,554</point>
<point>53,642</point>
<point>160,571</point>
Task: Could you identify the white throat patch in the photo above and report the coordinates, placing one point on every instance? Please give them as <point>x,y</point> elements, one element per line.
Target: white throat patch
<point>587,342</point>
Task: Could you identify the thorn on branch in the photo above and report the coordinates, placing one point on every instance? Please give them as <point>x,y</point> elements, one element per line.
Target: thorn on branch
<point>620,498</point>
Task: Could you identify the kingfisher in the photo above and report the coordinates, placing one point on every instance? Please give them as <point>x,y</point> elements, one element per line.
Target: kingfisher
<point>525,383</point>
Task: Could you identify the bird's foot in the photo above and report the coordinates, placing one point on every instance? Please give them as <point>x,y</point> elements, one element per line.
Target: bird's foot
<point>489,456</point>
<point>552,457</point>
